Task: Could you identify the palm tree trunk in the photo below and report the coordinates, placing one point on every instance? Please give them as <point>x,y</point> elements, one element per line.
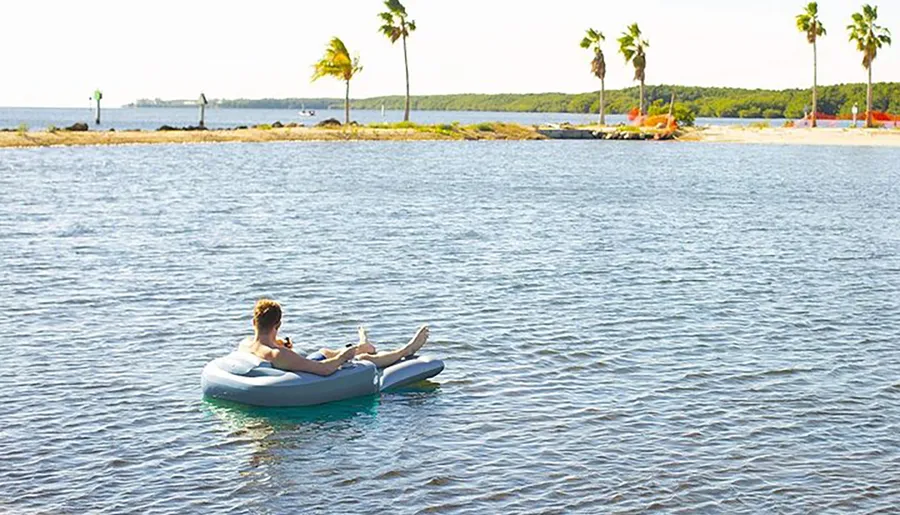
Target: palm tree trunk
<point>347,105</point>
<point>814,108</point>
<point>869,100</point>
<point>602,106</point>
<point>641,103</point>
<point>406,65</point>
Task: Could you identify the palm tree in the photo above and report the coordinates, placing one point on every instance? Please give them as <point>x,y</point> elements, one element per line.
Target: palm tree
<point>398,30</point>
<point>598,64</point>
<point>337,63</point>
<point>632,47</point>
<point>808,22</point>
<point>869,38</point>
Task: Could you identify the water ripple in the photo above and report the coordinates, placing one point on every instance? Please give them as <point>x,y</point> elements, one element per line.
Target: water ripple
<point>628,328</point>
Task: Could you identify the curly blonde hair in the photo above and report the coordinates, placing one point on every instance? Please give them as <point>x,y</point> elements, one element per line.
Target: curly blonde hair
<point>266,314</point>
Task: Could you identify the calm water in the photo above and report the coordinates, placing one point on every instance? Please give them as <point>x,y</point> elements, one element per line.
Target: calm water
<point>626,327</point>
<point>153,118</point>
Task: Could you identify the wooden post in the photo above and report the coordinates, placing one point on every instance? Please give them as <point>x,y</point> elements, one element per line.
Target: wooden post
<point>202,101</point>
<point>98,95</point>
<point>672,105</point>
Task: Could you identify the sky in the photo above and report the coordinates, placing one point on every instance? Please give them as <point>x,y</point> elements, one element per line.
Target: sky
<point>57,52</point>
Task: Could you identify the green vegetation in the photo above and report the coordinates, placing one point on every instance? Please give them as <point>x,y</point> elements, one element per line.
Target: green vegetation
<point>869,37</point>
<point>264,127</point>
<point>22,128</point>
<point>52,129</point>
<point>760,125</point>
<point>683,115</point>
<point>493,130</point>
<point>338,64</point>
<point>631,46</point>
<point>808,23</point>
<point>700,101</point>
<point>593,38</point>
<point>399,29</point>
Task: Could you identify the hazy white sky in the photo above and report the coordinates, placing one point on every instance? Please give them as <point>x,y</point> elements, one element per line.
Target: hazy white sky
<point>57,51</point>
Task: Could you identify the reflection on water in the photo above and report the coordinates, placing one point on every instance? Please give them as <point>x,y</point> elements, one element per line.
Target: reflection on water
<point>243,419</point>
<point>271,430</point>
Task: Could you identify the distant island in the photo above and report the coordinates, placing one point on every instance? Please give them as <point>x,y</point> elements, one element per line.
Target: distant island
<point>701,101</point>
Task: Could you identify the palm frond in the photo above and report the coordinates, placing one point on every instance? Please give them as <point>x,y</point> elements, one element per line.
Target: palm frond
<point>395,7</point>
<point>336,62</point>
<point>812,9</point>
<point>391,32</point>
<point>868,36</point>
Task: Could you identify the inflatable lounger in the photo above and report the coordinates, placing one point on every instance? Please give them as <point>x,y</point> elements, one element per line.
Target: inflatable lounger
<point>243,377</point>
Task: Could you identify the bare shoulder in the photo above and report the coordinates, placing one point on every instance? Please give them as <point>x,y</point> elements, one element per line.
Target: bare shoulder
<point>246,344</point>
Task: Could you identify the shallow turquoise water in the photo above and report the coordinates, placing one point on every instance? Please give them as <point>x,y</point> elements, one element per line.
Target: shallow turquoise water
<point>626,327</point>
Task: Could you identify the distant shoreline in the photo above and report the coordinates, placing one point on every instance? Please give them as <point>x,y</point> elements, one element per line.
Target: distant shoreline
<point>480,132</point>
<point>702,101</point>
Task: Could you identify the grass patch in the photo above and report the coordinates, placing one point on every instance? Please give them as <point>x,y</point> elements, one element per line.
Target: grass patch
<point>52,129</point>
<point>22,129</point>
<point>760,125</point>
<point>485,127</point>
<point>395,125</point>
<point>264,127</point>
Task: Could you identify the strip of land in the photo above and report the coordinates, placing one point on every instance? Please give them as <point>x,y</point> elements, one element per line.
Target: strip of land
<point>491,131</point>
<point>485,131</point>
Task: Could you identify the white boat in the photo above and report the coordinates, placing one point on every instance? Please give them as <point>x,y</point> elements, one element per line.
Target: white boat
<point>305,112</point>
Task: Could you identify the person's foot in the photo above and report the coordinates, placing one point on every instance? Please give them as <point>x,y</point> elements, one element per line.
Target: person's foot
<point>363,335</point>
<point>365,346</point>
<point>417,341</point>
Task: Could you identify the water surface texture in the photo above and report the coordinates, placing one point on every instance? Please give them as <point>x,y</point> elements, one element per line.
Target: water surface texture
<point>626,327</point>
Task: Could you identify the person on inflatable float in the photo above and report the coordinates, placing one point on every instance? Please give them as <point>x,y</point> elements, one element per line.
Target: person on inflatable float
<point>266,345</point>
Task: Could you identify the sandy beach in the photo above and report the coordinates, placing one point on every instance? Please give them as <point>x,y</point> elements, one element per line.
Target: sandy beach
<point>794,136</point>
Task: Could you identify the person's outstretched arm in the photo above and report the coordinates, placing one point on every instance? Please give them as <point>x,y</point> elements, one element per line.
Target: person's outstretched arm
<point>286,359</point>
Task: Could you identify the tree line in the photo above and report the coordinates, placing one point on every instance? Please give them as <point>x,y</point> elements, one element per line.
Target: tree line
<point>701,101</point>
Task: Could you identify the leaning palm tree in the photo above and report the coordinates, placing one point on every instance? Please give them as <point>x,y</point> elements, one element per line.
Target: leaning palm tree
<point>395,30</point>
<point>808,22</point>
<point>632,47</point>
<point>598,64</point>
<point>337,63</point>
<point>869,37</point>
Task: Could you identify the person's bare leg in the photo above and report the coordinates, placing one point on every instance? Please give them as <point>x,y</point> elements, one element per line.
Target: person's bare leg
<point>329,353</point>
<point>385,359</point>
